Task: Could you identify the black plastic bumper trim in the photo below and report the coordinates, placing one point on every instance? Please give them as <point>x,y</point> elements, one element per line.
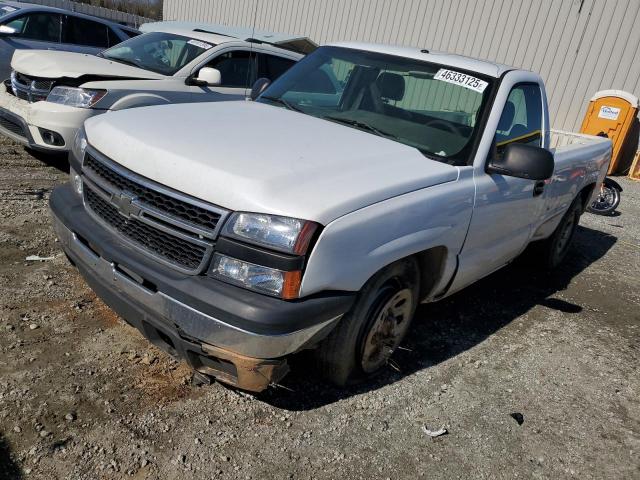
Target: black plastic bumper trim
<point>235,306</point>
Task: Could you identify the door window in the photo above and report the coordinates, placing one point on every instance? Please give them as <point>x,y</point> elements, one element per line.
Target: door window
<point>272,67</point>
<point>80,31</point>
<point>521,120</point>
<point>113,38</point>
<point>237,68</point>
<point>43,26</point>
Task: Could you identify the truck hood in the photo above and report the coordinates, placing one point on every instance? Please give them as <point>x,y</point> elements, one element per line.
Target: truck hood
<point>248,156</point>
<point>53,64</point>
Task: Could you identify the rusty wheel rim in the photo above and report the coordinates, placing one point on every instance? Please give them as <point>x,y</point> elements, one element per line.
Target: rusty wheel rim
<point>387,331</point>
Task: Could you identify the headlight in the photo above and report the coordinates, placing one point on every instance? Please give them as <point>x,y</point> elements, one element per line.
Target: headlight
<point>256,277</point>
<point>75,97</point>
<point>76,181</point>
<point>285,234</point>
<point>79,145</point>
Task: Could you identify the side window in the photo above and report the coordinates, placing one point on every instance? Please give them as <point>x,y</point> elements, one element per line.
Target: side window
<point>80,31</point>
<point>113,37</point>
<point>236,68</point>
<point>44,27</point>
<point>521,119</point>
<point>272,67</point>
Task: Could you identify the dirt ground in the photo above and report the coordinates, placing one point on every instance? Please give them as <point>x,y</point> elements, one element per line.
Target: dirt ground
<point>85,396</point>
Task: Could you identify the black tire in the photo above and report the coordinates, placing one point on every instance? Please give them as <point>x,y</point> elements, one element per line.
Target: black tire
<point>607,202</point>
<point>552,251</point>
<point>340,357</point>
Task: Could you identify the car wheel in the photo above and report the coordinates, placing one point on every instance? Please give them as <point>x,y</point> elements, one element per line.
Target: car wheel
<point>554,249</point>
<point>365,338</point>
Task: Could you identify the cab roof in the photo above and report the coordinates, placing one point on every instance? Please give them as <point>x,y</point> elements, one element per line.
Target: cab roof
<point>460,61</point>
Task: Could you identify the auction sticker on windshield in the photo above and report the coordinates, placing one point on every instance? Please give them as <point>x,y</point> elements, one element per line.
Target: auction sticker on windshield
<point>200,44</point>
<point>462,79</point>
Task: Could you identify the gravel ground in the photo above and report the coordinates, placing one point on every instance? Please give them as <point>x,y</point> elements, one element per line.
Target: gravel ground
<point>85,396</point>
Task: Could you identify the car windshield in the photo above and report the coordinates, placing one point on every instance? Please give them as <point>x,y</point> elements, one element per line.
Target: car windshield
<point>431,107</point>
<point>160,52</point>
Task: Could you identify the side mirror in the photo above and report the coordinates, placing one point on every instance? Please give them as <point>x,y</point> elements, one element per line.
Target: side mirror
<point>7,31</point>
<point>208,76</point>
<point>523,161</point>
<point>259,87</point>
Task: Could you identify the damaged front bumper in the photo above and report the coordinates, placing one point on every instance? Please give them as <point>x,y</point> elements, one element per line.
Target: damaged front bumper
<point>237,336</point>
<point>31,123</point>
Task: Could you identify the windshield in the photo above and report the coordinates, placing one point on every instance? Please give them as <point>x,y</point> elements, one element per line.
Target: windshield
<point>160,52</point>
<point>433,108</point>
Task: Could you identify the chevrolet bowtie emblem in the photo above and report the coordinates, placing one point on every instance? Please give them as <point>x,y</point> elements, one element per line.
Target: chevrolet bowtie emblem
<point>124,203</point>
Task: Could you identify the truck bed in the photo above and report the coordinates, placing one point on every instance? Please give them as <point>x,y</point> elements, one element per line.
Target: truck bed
<point>561,140</point>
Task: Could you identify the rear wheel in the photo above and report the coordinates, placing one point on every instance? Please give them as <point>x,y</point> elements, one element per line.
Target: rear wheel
<point>366,337</point>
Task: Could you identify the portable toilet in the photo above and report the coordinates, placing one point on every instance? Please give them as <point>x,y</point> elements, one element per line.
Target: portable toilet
<point>611,113</point>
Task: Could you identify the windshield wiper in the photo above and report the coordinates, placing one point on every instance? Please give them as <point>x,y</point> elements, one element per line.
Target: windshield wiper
<point>284,103</point>
<point>362,126</point>
<point>122,60</point>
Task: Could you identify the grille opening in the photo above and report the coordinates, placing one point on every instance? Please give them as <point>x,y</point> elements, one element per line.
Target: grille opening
<point>213,366</point>
<point>13,127</point>
<point>146,284</point>
<point>174,250</point>
<point>160,339</point>
<point>169,205</point>
<point>86,243</point>
<point>31,89</point>
<point>166,339</point>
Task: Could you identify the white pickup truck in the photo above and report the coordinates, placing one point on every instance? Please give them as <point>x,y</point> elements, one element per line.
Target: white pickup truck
<point>367,179</point>
<point>51,93</point>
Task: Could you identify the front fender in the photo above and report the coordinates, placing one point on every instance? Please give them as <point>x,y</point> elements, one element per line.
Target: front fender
<point>139,100</point>
<point>352,248</point>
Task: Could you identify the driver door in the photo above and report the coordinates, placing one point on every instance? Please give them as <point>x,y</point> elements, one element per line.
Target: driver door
<point>506,208</point>
<point>237,71</point>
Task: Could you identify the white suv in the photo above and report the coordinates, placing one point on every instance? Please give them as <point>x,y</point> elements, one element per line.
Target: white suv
<point>51,93</point>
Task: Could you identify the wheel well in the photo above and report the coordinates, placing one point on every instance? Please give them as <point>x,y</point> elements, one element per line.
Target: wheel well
<point>431,263</point>
<point>585,194</point>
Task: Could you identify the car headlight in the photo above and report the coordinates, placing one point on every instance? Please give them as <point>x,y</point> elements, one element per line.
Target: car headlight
<point>75,97</point>
<point>79,146</point>
<point>284,234</point>
<point>256,277</point>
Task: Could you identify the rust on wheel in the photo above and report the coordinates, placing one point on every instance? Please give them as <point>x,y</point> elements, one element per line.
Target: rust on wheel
<point>387,331</point>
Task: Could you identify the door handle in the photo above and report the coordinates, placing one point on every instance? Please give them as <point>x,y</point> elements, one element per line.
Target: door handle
<point>538,188</point>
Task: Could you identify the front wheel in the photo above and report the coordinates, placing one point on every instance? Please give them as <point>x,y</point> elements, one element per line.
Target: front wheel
<point>366,337</point>
<point>607,201</point>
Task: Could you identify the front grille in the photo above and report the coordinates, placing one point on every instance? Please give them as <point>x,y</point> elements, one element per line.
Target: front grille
<point>174,207</point>
<point>177,251</point>
<point>175,229</point>
<point>31,89</point>
<point>12,126</point>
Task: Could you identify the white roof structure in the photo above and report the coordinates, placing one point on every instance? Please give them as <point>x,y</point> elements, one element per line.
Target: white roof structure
<point>223,33</point>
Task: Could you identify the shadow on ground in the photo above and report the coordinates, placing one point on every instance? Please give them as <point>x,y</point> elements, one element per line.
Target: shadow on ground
<point>56,160</point>
<point>9,470</point>
<point>447,328</point>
